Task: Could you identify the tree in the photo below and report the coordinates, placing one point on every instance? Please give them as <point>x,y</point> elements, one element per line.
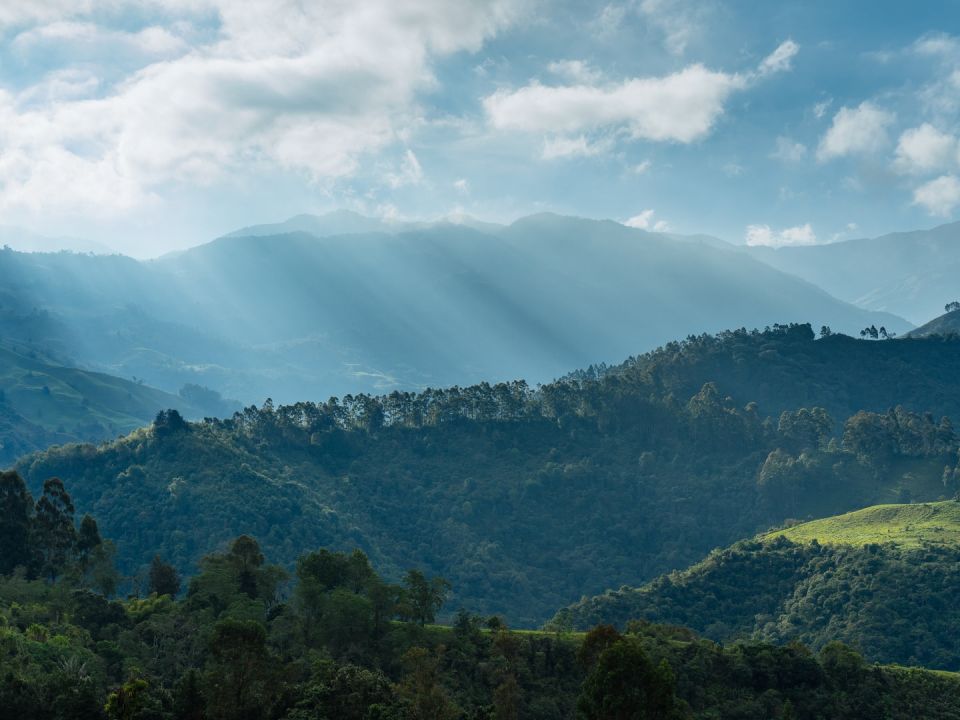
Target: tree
<point>54,530</point>
<point>424,597</point>
<point>164,579</point>
<point>239,677</point>
<point>625,685</point>
<point>952,306</point>
<point>15,509</point>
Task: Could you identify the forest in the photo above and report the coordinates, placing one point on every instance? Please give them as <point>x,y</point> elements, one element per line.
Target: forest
<point>244,639</point>
<point>528,498</point>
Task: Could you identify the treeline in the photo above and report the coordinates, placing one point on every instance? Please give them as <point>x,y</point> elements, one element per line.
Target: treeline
<point>525,499</point>
<point>247,640</point>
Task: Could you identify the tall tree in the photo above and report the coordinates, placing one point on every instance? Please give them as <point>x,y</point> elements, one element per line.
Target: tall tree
<point>163,578</point>
<point>56,536</point>
<point>15,509</point>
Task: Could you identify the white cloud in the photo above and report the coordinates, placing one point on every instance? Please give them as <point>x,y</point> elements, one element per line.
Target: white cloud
<point>462,186</point>
<point>788,150</point>
<point>820,108</point>
<point>309,87</point>
<point>680,107</point>
<point>855,131</point>
<point>641,167</point>
<point>642,220</point>
<point>645,221</point>
<point>780,59</point>
<point>677,20</point>
<point>410,173</point>
<point>925,149</point>
<point>939,196</point>
<point>570,147</point>
<point>764,235</point>
<point>575,71</point>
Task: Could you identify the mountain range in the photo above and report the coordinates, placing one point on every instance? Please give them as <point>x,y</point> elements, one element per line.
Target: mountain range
<point>343,304</point>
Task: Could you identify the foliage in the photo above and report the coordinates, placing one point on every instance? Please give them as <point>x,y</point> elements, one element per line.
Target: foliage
<point>640,473</point>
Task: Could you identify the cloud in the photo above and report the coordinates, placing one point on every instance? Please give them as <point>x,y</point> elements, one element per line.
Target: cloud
<point>575,71</point>
<point>925,149</point>
<point>410,173</point>
<point>680,107</point>
<point>763,235</point>
<point>855,131</point>
<point>313,88</point>
<point>820,108</point>
<point>570,147</point>
<point>641,167</point>
<point>789,150</point>
<point>675,19</point>
<point>780,59</point>
<point>462,186</point>
<point>939,196</point>
<point>645,221</point>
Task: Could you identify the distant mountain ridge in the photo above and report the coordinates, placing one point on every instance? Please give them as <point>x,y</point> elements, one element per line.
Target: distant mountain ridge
<point>911,273</point>
<point>312,314</point>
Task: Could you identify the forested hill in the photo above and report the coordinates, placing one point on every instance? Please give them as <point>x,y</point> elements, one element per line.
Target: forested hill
<point>787,368</point>
<point>528,499</point>
<point>883,580</point>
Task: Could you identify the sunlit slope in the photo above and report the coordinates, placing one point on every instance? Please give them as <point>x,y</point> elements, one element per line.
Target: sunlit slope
<point>46,403</point>
<point>883,580</point>
<point>906,526</point>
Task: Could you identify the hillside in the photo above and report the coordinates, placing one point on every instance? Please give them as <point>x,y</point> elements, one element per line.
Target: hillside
<point>298,315</point>
<point>526,499</point>
<point>946,324</point>
<point>903,526</point>
<point>787,371</point>
<point>334,639</point>
<point>881,579</point>
<point>911,274</point>
<point>43,403</point>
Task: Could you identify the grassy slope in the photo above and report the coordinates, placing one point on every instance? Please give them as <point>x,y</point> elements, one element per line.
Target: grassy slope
<point>906,526</point>
<point>64,404</point>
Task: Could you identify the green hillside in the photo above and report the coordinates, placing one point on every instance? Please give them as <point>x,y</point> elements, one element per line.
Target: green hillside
<point>44,403</point>
<point>245,639</point>
<point>527,499</point>
<point>883,580</point>
<point>904,526</point>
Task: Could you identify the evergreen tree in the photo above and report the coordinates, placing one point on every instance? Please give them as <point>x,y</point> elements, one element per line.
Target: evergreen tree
<point>15,508</point>
<point>55,535</point>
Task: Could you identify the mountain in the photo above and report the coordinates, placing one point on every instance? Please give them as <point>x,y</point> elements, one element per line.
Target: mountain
<point>527,499</point>
<point>911,274</point>
<point>881,580</point>
<point>297,316</point>
<point>23,240</point>
<point>43,403</point>
<point>946,324</point>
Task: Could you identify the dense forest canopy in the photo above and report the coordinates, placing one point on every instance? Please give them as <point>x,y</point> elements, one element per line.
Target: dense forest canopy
<point>528,498</point>
<point>248,640</point>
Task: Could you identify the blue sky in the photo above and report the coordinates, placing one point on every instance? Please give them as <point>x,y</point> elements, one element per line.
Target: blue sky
<point>152,125</point>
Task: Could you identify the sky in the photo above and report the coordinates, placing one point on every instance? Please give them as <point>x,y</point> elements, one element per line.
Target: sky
<point>154,125</point>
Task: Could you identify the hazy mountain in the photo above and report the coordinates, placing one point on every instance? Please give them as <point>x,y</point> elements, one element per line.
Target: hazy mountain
<point>24,240</point>
<point>298,315</point>
<point>911,274</point>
